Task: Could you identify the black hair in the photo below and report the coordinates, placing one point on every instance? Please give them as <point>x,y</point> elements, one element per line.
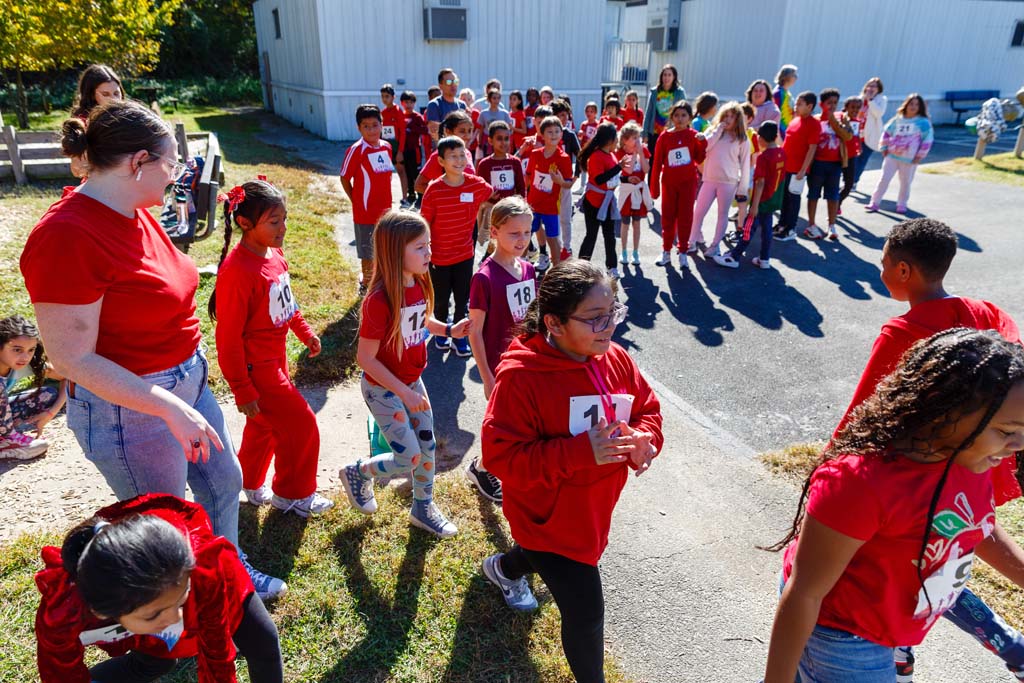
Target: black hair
<point>91,78</point>
<point>769,130</point>
<point>939,381</point>
<point>565,98</point>
<point>407,96</point>
<point>442,72</point>
<point>446,144</point>
<point>705,102</point>
<point>431,92</point>
<point>850,100</point>
<point>808,98</point>
<point>612,95</point>
<point>533,91</point>
<point>606,132</point>
<point>543,111</point>
<point>495,126</point>
<point>767,90</point>
<point>613,102</point>
<point>453,119</point>
<point>560,293</point>
<point>516,93</point>
<point>260,197</point>
<point>388,88</point>
<point>925,243</point>
<point>16,326</point>
<point>368,111</point>
<point>113,131</point>
<point>827,93</point>
<point>121,566</point>
<point>560,106</point>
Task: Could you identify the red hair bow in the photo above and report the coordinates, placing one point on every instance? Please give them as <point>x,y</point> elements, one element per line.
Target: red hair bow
<point>236,196</point>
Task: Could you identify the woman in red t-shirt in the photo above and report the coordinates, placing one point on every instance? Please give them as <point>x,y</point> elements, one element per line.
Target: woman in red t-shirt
<point>148,582</point>
<point>897,509</point>
<point>393,328</point>
<point>120,322</point>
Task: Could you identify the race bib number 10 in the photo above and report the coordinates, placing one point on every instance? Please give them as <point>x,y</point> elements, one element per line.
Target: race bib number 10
<point>586,411</point>
<point>414,324</point>
<point>282,302</point>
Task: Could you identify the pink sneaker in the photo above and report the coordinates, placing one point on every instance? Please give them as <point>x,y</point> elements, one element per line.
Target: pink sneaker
<point>871,208</point>
<point>902,210</point>
<point>18,446</point>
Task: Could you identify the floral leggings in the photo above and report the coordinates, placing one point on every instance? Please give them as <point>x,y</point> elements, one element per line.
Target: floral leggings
<point>20,407</point>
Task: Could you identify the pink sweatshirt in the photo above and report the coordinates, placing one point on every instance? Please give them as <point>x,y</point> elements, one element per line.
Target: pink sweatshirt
<point>728,160</point>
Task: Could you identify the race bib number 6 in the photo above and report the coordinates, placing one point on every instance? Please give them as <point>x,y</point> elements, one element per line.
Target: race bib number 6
<point>282,302</point>
<point>414,324</point>
<point>502,180</point>
<point>380,162</point>
<point>586,411</point>
<point>680,156</point>
<point>519,295</point>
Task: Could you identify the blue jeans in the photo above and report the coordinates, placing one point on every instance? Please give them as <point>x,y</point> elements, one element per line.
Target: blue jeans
<point>762,221</point>
<point>861,161</point>
<point>976,618</point>
<point>137,454</point>
<point>834,656</point>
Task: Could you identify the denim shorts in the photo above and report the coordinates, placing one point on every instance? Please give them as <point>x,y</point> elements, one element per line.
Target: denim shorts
<point>834,656</point>
<point>136,453</point>
<point>824,177</point>
<point>549,221</point>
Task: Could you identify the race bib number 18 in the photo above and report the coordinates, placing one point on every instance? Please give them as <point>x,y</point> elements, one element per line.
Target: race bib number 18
<point>586,411</point>
<point>282,303</point>
<point>414,324</point>
<point>519,295</point>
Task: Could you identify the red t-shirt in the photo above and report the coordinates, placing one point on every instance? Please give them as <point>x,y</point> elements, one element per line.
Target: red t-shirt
<point>451,213</point>
<point>802,132</point>
<point>518,121</point>
<point>884,502</point>
<point>853,144</point>
<point>628,115</point>
<point>676,156</point>
<point>82,250</point>
<point>544,194</point>
<point>504,299</point>
<point>393,125</point>
<point>769,166</point>
<point>587,132</point>
<point>599,162</point>
<point>368,168</point>
<point>617,120</point>
<point>255,310</point>
<point>375,323</point>
<point>432,170</point>
<point>828,142</point>
<point>504,175</point>
<point>416,132</point>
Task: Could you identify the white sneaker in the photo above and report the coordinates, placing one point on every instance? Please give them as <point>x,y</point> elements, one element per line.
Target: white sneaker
<point>665,260</point>
<point>763,265</point>
<point>813,232</point>
<point>711,252</point>
<point>313,504</point>
<point>260,496</point>
<point>725,260</point>
<point>18,446</point>
<point>833,234</point>
<point>614,274</point>
<point>543,262</point>
<point>517,593</point>
<point>683,263</point>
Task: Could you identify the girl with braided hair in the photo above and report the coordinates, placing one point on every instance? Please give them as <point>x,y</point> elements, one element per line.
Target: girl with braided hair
<point>254,308</point>
<point>890,520</point>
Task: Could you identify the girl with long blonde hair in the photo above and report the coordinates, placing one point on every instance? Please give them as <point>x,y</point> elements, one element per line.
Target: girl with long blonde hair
<point>394,324</point>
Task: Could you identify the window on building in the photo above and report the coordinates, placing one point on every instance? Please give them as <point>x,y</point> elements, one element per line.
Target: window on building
<point>1018,35</point>
<point>277,23</point>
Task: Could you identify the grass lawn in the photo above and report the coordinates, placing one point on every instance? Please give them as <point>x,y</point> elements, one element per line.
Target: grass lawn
<point>993,168</point>
<point>795,462</point>
<point>37,120</point>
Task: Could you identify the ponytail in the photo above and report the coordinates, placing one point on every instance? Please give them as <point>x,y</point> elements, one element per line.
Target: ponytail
<point>606,132</point>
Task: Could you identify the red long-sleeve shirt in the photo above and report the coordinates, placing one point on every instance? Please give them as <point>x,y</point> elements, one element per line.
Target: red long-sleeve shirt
<point>676,156</point>
<point>556,497</point>
<point>393,122</point>
<point>212,611</point>
<point>255,310</point>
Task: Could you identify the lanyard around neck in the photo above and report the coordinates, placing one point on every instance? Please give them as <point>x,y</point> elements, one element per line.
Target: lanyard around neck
<point>603,393</point>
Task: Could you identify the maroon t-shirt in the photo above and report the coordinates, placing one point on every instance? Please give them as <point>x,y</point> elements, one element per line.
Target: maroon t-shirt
<point>505,300</point>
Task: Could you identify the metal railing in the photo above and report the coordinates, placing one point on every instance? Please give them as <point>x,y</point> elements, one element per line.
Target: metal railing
<point>626,61</point>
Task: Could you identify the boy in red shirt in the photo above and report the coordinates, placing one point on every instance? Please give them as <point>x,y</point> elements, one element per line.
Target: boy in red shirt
<point>766,198</point>
<point>450,207</point>
<point>417,139</point>
<point>827,167</point>
<point>366,179</point>
<point>799,144</point>
<point>550,173</point>
<point>459,124</point>
<point>612,107</point>
<point>393,131</point>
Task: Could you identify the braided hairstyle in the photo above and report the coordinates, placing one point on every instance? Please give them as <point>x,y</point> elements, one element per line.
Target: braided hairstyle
<point>938,382</point>
<point>260,197</point>
<point>16,326</point>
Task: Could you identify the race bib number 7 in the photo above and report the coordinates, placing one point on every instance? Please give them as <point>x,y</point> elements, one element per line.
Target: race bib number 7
<point>586,411</point>
<point>380,162</point>
<point>282,302</point>
<point>414,324</point>
<point>502,180</point>
<point>543,181</point>
<point>519,295</point>
<point>680,156</point>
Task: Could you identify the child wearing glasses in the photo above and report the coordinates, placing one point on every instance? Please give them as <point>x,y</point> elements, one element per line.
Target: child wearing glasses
<point>569,416</point>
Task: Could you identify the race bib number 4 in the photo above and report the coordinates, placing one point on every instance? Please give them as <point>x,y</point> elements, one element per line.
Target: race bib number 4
<point>503,180</point>
<point>680,156</point>
<point>586,411</point>
<point>380,162</point>
<point>543,181</point>
<point>519,295</point>
<point>414,324</point>
<point>387,132</point>
<point>282,302</point>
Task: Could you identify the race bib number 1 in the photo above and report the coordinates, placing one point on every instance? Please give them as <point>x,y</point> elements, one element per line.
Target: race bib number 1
<point>502,180</point>
<point>680,156</point>
<point>380,162</point>
<point>543,181</point>
<point>519,295</point>
<point>387,132</point>
<point>586,411</point>
<point>282,302</point>
<point>414,325</point>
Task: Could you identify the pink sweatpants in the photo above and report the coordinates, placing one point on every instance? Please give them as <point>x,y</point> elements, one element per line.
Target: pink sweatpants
<point>709,192</point>
<point>891,167</point>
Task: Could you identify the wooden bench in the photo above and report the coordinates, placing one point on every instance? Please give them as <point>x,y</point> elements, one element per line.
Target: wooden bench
<point>958,96</point>
<point>204,222</point>
<point>32,155</point>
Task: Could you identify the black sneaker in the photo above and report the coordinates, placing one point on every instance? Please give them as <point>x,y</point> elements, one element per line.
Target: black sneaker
<point>486,483</point>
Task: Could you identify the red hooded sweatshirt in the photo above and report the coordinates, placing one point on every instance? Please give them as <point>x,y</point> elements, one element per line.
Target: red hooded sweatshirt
<point>921,322</point>
<point>557,499</point>
<point>212,611</point>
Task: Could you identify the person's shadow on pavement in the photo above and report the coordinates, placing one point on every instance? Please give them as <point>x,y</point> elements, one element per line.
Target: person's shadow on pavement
<point>688,303</point>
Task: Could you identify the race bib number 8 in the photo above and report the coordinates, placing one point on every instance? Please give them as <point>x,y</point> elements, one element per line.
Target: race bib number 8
<point>519,295</point>
<point>586,411</point>
<point>503,179</point>
<point>387,132</point>
<point>543,181</point>
<point>414,325</point>
<point>380,162</point>
<point>282,303</point>
<point>680,156</point>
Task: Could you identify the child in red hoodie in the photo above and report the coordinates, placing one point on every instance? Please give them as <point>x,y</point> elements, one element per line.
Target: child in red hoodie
<point>916,255</point>
<point>147,582</point>
<point>569,415</point>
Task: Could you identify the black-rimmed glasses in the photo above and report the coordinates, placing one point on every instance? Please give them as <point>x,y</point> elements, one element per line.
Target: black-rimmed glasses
<point>600,323</point>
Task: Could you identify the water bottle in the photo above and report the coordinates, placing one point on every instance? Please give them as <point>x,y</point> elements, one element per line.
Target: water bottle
<point>181,209</point>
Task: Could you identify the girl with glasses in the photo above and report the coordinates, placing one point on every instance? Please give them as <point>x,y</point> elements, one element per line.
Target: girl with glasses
<point>569,416</point>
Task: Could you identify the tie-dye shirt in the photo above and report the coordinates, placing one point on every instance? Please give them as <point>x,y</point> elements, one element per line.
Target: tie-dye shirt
<point>784,101</point>
<point>908,140</point>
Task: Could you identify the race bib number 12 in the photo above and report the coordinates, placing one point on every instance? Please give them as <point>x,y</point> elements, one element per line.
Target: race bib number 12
<point>586,411</point>
<point>414,324</point>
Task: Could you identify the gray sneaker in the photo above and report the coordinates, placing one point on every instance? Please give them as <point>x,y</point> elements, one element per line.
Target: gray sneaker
<point>517,593</point>
<point>359,490</point>
<point>313,504</point>
<point>428,517</point>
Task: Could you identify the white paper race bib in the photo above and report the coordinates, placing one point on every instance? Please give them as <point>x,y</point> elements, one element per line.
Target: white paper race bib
<point>856,127</point>
<point>380,162</point>
<point>503,180</point>
<point>586,411</point>
<point>680,156</point>
<point>543,181</point>
<point>636,163</point>
<point>944,585</point>
<point>104,634</point>
<point>529,122</point>
<point>905,129</point>
<point>414,324</point>
<point>466,197</point>
<point>519,295</point>
<point>526,164</point>
<point>589,131</point>
<point>387,132</point>
<point>282,302</point>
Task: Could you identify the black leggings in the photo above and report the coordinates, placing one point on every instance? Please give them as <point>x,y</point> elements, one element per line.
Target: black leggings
<point>607,231</point>
<point>448,281</point>
<point>412,171</point>
<point>256,640</point>
<point>849,171</point>
<point>576,588</point>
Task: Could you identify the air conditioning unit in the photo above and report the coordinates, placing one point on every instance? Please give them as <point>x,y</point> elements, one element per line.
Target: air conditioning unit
<point>444,20</point>
<point>663,20</point>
